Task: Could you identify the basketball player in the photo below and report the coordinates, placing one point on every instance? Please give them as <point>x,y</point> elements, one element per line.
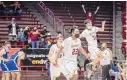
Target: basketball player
<point>71,46</point>
<point>4,58</point>
<point>13,64</point>
<point>90,34</point>
<point>55,70</point>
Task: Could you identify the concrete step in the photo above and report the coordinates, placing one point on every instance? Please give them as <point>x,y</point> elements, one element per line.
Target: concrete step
<point>118,27</point>
<point>119,32</point>
<point>119,40</point>
<point>118,36</point>
<point>118,16</point>
<point>119,12</point>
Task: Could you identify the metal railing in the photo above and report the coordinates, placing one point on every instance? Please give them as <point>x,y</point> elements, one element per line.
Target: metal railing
<point>50,17</point>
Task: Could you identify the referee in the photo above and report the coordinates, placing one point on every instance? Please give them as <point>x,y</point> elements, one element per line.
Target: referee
<point>106,62</point>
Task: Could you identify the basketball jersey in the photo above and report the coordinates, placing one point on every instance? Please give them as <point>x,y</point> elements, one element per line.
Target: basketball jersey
<point>55,52</point>
<point>71,48</point>
<point>107,57</point>
<point>15,56</point>
<point>90,36</point>
<point>12,63</point>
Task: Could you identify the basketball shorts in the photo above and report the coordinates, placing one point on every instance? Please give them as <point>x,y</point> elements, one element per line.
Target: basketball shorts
<point>69,68</point>
<point>55,71</point>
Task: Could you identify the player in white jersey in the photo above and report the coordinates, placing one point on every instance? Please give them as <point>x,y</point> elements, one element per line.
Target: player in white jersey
<point>71,46</point>
<point>106,62</point>
<point>55,70</point>
<point>90,34</point>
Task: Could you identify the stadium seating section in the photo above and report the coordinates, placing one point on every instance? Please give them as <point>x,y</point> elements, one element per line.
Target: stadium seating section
<point>71,12</point>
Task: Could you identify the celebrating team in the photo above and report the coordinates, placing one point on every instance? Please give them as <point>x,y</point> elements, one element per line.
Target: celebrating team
<point>63,54</point>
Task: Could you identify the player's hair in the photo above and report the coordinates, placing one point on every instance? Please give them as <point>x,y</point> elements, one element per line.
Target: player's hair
<point>73,28</point>
<point>59,36</point>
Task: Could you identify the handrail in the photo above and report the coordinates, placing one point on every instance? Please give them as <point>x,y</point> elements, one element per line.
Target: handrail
<point>114,26</point>
<point>49,13</point>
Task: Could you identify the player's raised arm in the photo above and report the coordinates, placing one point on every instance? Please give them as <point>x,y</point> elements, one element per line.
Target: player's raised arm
<point>103,27</point>
<point>96,10</point>
<point>83,7</point>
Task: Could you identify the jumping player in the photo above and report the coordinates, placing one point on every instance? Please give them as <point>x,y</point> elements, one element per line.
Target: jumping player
<point>90,34</point>
<point>4,58</point>
<point>71,46</point>
<point>55,70</point>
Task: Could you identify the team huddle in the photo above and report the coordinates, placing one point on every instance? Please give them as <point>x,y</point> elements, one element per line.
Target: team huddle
<point>63,54</point>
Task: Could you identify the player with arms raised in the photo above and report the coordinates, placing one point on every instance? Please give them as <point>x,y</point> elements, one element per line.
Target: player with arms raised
<point>90,34</point>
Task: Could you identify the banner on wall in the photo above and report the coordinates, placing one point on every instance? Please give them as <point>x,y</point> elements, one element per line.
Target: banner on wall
<point>35,57</point>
